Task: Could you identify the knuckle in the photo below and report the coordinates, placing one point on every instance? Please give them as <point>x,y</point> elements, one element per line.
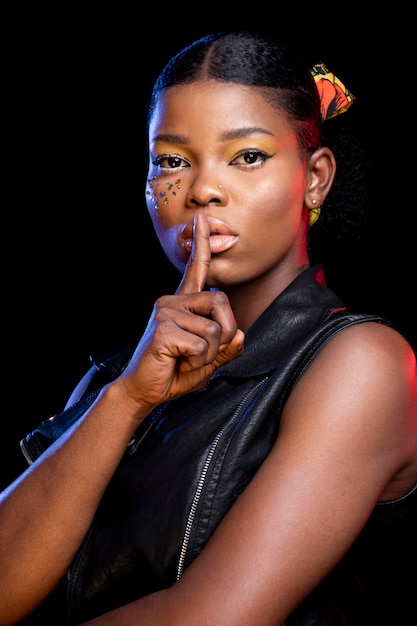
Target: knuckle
<point>162,306</point>
<point>220,299</point>
<point>200,345</point>
<point>162,302</point>
<point>162,330</point>
<point>211,330</point>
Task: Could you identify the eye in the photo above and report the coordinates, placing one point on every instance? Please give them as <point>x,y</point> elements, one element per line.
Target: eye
<point>169,163</point>
<point>250,159</point>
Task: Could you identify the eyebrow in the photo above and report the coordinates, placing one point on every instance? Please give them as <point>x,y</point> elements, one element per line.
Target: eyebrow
<point>236,133</point>
<point>168,138</point>
<point>244,132</point>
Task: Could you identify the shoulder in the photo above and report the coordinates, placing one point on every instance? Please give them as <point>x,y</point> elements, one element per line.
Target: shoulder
<point>360,394</point>
<point>373,354</point>
<point>370,353</point>
<point>373,337</point>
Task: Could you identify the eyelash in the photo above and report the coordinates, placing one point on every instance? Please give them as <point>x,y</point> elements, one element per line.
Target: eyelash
<point>258,158</point>
<point>169,157</point>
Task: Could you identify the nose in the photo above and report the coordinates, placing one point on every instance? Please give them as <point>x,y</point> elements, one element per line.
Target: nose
<point>203,192</point>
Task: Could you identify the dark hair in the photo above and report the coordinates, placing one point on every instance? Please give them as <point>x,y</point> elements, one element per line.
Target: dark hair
<point>248,58</point>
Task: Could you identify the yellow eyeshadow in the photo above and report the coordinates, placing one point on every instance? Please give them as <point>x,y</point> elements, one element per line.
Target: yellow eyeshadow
<point>163,147</point>
<point>265,143</point>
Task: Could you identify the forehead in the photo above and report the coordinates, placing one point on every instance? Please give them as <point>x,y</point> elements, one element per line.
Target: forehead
<point>215,106</point>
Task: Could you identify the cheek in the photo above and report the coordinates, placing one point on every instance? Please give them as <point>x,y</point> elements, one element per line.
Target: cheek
<point>163,198</point>
<point>277,203</point>
<point>275,215</point>
<point>162,201</point>
<point>160,193</point>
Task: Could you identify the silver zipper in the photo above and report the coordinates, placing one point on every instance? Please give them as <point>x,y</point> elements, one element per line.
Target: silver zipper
<point>201,481</point>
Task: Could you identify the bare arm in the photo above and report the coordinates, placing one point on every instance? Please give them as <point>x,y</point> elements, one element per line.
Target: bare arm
<point>46,512</point>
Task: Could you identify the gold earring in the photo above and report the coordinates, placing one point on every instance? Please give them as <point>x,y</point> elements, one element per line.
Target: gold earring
<point>313,214</point>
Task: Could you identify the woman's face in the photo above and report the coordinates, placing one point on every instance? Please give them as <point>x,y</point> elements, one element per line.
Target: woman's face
<point>223,149</point>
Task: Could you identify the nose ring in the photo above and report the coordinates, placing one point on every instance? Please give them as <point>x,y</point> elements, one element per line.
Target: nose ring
<point>220,186</point>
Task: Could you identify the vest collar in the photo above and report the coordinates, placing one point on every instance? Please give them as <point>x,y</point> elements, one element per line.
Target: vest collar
<point>303,305</point>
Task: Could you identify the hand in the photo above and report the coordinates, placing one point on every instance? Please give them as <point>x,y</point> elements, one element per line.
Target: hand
<point>189,335</point>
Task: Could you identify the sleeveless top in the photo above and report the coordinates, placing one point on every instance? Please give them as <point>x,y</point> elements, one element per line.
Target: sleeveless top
<point>193,456</point>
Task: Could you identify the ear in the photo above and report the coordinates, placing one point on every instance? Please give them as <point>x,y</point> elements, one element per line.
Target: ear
<point>321,170</point>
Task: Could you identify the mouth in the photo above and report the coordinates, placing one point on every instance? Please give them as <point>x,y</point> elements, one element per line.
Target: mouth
<point>221,237</point>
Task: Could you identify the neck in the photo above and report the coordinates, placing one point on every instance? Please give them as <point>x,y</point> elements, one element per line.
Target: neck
<point>249,301</point>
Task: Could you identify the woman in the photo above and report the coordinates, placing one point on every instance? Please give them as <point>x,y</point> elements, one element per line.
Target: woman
<point>253,460</point>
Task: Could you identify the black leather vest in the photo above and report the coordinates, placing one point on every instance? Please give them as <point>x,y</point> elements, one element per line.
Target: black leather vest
<point>192,457</point>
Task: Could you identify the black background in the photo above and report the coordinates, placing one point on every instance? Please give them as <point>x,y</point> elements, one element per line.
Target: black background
<point>81,264</point>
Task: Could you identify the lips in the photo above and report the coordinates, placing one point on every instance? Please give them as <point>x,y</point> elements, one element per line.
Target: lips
<point>221,237</point>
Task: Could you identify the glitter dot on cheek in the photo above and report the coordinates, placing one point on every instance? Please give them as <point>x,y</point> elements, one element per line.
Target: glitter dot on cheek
<point>157,193</point>
<point>152,191</point>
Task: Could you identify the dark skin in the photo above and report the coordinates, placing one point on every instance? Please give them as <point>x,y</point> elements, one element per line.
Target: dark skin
<point>352,440</point>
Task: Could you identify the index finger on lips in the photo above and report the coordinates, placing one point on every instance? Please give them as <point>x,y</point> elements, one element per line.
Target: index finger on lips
<point>198,264</point>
